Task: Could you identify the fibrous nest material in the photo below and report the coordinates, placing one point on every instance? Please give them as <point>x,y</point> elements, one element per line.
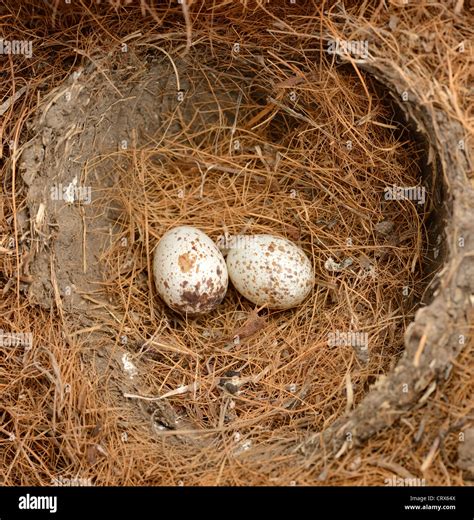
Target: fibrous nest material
<point>238,120</point>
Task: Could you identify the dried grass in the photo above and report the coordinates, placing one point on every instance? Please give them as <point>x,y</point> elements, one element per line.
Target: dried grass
<point>294,176</point>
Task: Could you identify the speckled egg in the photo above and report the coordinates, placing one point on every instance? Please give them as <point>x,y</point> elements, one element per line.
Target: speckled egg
<point>189,270</point>
<point>269,270</point>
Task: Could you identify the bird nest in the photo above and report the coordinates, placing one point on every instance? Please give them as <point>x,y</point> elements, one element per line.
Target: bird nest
<point>295,134</point>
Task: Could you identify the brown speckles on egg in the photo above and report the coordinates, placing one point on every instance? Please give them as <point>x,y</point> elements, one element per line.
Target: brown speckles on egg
<point>198,302</point>
<point>190,272</point>
<point>186,262</point>
<point>270,270</point>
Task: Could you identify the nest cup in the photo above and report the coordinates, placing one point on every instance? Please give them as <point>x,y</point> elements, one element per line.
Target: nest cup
<point>247,137</point>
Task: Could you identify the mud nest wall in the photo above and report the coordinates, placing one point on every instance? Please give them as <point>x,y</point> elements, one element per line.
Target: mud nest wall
<point>150,121</point>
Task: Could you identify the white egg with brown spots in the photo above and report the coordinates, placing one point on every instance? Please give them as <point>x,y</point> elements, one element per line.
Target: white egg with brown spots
<point>189,270</point>
<point>269,270</point>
